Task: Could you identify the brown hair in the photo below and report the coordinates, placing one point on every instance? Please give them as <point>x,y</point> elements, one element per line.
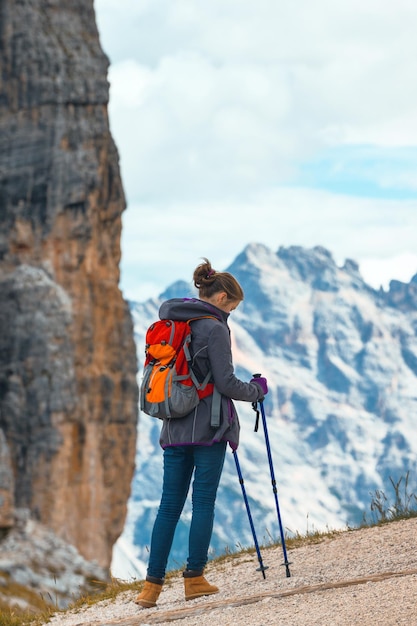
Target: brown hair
<point>209,282</point>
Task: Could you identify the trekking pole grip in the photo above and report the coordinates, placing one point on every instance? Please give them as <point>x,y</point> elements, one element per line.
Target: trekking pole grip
<point>257,376</point>
<point>255,407</point>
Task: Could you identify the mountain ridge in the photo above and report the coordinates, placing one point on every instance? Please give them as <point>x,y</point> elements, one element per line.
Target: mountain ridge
<point>340,358</point>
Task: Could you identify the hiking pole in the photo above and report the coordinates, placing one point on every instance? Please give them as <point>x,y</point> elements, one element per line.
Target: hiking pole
<point>261,567</point>
<point>273,481</point>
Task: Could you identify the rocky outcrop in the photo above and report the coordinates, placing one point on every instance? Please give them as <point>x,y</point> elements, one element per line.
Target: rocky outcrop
<point>45,570</point>
<point>68,391</point>
<point>403,295</point>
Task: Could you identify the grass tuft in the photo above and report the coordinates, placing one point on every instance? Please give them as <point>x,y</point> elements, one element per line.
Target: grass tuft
<point>403,506</point>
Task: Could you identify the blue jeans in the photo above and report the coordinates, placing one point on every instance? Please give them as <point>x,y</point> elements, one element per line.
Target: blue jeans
<point>179,464</point>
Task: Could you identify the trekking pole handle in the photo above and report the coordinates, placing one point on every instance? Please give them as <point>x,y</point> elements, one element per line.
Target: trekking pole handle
<point>257,376</point>
<point>255,407</point>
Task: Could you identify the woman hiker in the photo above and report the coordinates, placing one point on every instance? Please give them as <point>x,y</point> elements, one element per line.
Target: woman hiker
<point>196,444</point>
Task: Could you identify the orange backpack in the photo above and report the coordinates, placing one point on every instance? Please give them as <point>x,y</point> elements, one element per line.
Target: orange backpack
<point>169,386</point>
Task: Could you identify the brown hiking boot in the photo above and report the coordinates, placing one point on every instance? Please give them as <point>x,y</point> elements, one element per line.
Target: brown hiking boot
<point>149,594</point>
<point>195,585</point>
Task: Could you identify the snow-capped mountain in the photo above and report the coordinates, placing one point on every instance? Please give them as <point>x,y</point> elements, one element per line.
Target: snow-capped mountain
<point>341,363</point>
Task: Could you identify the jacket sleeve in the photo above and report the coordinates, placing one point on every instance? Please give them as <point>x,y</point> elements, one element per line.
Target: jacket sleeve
<point>220,357</point>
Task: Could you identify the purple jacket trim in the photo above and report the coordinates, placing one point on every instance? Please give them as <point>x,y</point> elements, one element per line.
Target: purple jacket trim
<point>194,443</point>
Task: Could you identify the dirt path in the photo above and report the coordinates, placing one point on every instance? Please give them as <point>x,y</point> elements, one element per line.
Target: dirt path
<point>366,577</point>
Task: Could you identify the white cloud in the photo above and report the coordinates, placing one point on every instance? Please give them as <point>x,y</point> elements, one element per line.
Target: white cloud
<point>218,107</point>
<point>166,243</point>
<point>379,271</point>
<point>130,84</point>
<point>198,128</point>
<point>231,96</point>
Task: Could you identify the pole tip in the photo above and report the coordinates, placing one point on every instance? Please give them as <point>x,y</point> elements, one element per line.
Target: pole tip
<point>262,569</point>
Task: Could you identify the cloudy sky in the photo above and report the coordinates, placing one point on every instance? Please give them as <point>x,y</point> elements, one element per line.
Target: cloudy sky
<point>284,122</point>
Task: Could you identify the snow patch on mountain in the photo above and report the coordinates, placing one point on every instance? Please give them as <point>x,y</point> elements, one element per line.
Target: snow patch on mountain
<point>341,363</point>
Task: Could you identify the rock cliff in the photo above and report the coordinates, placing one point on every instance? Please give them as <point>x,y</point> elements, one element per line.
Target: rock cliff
<point>68,391</point>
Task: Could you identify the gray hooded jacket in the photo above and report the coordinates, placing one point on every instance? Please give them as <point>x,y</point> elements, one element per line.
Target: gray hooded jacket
<point>211,351</point>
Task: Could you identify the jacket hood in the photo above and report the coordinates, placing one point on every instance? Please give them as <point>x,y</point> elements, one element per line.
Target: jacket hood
<point>183,309</point>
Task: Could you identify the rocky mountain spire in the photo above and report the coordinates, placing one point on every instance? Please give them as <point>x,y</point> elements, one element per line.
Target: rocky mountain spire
<point>68,391</point>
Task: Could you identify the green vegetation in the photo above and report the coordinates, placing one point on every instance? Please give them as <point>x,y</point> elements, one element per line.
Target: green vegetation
<point>383,510</point>
<point>404,505</point>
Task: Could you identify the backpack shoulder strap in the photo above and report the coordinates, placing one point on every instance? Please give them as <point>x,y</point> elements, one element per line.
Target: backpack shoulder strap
<point>216,402</point>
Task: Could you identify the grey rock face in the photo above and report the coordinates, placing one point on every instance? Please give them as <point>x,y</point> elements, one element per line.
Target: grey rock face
<point>68,391</point>
<point>37,373</point>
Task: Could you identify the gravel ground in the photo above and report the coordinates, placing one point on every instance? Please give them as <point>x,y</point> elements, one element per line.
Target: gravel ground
<point>366,576</point>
